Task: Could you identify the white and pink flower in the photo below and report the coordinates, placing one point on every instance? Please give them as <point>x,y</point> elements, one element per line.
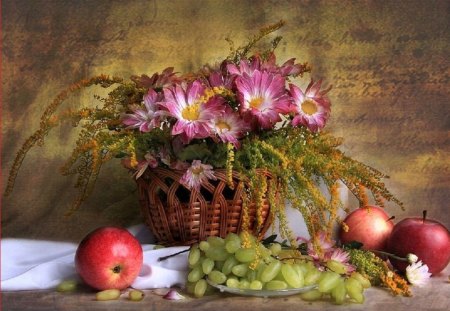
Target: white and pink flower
<point>263,97</point>
<point>312,107</point>
<point>194,116</point>
<point>197,174</point>
<point>145,119</point>
<point>230,127</point>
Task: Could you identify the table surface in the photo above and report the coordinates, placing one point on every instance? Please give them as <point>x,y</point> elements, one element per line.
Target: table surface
<point>435,296</point>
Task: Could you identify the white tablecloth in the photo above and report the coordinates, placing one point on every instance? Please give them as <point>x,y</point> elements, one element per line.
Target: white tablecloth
<point>33,264</point>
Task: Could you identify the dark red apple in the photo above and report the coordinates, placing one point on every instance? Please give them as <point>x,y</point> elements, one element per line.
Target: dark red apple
<point>428,239</point>
<point>109,258</point>
<point>369,225</point>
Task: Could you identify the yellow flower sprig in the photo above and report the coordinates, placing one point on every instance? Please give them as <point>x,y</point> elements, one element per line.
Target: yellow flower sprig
<point>48,121</point>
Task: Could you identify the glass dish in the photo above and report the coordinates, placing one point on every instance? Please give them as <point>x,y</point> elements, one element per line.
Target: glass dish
<point>262,293</point>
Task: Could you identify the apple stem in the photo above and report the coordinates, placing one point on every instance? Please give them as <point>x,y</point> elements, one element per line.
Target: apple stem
<point>390,218</point>
<point>390,255</point>
<point>424,213</point>
<point>173,255</point>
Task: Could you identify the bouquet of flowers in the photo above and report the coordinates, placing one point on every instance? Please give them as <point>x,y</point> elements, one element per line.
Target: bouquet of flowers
<point>242,114</point>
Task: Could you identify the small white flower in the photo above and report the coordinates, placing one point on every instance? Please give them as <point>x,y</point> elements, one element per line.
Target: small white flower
<point>417,274</point>
<point>412,258</point>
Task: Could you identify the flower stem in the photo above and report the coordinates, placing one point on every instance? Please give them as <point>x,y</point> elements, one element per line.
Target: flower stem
<point>390,255</point>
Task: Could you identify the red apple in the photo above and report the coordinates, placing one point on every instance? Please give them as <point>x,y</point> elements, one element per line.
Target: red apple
<point>109,258</point>
<point>369,225</point>
<point>429,240</point>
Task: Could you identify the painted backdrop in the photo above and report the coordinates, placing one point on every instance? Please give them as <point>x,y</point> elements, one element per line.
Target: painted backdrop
<point>388,62</point>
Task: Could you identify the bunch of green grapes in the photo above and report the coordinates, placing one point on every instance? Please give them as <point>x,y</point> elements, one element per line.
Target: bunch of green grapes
<point>257,267</point>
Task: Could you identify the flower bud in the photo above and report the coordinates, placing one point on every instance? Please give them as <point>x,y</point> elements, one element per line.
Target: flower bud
<point>412,258</point>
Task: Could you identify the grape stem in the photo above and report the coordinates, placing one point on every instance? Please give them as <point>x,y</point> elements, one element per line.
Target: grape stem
<point>173,255</point>
<point>295,257</point>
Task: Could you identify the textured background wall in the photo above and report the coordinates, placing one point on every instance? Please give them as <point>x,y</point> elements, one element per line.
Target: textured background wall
<point>388,62</point>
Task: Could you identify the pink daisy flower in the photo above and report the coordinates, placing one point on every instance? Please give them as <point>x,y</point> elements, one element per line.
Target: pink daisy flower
<point>339,255</point>
<point>194,116</point>
<point>221,77</point>
<point>312,107</point>
<point>246,66</point>
<point>263,96</point>
<point>197,174</point>
<point>146,119</point>
<point>289,68</point>
<point>229,127</point>
<point>249,66</point>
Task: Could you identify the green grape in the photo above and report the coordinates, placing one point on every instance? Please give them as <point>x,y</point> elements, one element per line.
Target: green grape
<point>135,295</point>
<point>217,277</point>
<point>216,253</point>
<point>270,271</point>
<point>229,264</point>
<point>251,237</point>
<point>203,245</point>
<point>312,276</point>
<point>275,248</point>
<point>354,290</point>
<point>328,281</point>
<point>190,287</point>
<point>240,270</point>
<point>107,294</point>
<point>311,295</point>
<point>339,292</point>
<point>244,284</point>
<point>194,256</point>
<point>300,274</point>
<point>251,275</point>
<point>306,266</point>
<point>232,282</point>
<point>207,265</point>
<point>336,266</point>
<point>275,285</point>
<point>67,286</point>
<point>255,284</point>
<point>232,246</point>
<point>215,241</point>
<point>195,274</point>
<point>279,276</point>
<point>245,254</point>
<point>263,251</point>
<point>260,270</point>
<point>297,268</point>
<point>200,288</point>
<point>219,265</point>
<point>361,279</point>
<point>290,276</point>
<point>232,237</point>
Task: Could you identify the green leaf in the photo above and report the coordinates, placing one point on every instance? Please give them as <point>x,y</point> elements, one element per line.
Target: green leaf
<point>269,239</point>
<point>194,152</point>
<point>353,245</point>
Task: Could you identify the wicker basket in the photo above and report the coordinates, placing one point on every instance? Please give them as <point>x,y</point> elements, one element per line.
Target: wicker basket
<point>177,216</point>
